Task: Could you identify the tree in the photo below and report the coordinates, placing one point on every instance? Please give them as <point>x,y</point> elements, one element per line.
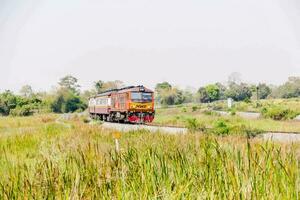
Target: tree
<point>239,92</point>
<point>117,84</point>
<point>8,101</point>
<point>289,89</point>
<point>222,91</point>
<point>66,98</point>
<point>263,91</point>
<point>213,92</point>
<point>11,104</point>
<point>70,83</point>
<point>167,95</point>
<point>202,95</point>
<point>209,93</point>
<point>163,86</point>
<point>67,101</point>
<point>99,86</point>
<point>26,91</point>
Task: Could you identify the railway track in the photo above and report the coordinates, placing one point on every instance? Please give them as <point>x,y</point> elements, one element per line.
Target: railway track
<point>145,126</point>
<point>279,136</point>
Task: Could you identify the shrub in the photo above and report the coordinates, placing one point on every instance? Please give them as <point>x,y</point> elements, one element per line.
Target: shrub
<point>221,127</point>
<point>193,125</point>
<point>26,110</point>
<point>241,129</point>
<point>194,108</point>
<point>278,113</point>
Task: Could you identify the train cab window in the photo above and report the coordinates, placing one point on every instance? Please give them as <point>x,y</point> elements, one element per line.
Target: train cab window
<point>141,97</point>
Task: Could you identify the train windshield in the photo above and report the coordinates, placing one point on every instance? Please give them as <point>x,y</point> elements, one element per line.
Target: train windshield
<point>141,97</point>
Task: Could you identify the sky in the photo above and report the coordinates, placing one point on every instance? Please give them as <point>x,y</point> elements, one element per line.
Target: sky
<point>187,42</point>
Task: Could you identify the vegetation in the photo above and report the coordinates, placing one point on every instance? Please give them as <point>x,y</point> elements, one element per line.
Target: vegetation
<point>278,113</point>
<point>238,125</point>
<point>44,159</point>
<point>67,96</point>
<point>168,95</point>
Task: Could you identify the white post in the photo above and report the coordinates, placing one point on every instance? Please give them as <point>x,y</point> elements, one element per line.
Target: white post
<point>229,103</point>
<point>117,145</point>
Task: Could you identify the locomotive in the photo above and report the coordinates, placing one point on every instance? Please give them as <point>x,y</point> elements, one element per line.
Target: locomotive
<point>134,104</point>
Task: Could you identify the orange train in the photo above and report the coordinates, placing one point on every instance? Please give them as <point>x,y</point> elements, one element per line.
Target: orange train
<point>134,104</point>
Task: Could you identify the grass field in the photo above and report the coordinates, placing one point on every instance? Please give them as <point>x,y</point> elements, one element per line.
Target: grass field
<point>45,159</point>
<point>178,116</point>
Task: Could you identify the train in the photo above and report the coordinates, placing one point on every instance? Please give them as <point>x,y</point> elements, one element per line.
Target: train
<point>132,104</point>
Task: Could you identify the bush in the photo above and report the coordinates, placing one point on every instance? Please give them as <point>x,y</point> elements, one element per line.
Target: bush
<point>193,125</point>
<point>26,110</point>
<point>241,129</point>
<point>221,127</point>
<point>194,108</point>
<point>278,113</point>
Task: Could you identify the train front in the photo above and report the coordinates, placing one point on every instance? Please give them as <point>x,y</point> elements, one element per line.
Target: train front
<point>141,106</point>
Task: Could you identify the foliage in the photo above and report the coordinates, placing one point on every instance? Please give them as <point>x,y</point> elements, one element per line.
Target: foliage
<point>193,125</point>
<point>209,93</point>
<point>69,83</point>
<point>167,95</point>
<point>67,97</point>
<point>101,86</point>
<point>194,108</point>
<point>239,92</point>
<point>163,86</point>
<point>18,105</point>
<point>277,112</point>
<point>221,127</point>
<point>8,101</point>
<point>289,89</point>
<point>26,91</point>
<point>66,101</point>
<point>25,110</point>
<point>263,91</point>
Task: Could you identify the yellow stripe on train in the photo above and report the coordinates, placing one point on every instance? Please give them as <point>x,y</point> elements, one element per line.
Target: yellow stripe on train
<point>141,106</point>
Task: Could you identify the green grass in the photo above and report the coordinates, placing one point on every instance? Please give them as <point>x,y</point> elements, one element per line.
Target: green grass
<point>176,117</point>
<point>42,159</point>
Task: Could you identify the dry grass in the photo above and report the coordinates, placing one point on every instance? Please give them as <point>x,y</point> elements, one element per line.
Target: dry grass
<point>54,161</point>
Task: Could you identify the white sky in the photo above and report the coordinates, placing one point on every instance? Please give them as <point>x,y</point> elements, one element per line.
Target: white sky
<point>187,42</point>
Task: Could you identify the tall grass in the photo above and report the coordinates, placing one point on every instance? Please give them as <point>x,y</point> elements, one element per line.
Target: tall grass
<point>79,162</point>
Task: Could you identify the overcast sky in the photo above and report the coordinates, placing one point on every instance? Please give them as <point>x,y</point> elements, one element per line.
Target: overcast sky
<point>187,42</point>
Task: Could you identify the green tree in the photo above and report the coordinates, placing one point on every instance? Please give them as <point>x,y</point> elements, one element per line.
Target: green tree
<point>209,93</point>
<point>167,95</point>
<point>163,86</point>
<point>213,92</point>
<point>67,97</point>
<point>8,101</point>
<point>239,92</point>
<point>263,91</point>
<point>99,86</point>
<point>70,83</point>
<point>290,89</point>
<point>67,101</point>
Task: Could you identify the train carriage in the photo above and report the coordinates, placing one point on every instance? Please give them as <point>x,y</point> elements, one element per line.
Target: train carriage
<point>133,104</point>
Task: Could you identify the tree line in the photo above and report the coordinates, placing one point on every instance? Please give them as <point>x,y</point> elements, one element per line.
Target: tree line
<point>67,96</point>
